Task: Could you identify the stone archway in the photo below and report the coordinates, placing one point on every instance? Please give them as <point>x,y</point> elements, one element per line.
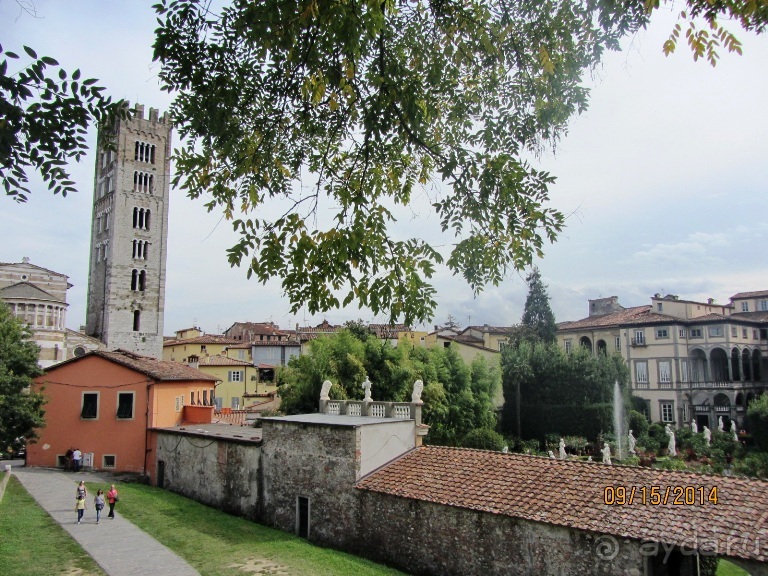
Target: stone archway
<point>746,365</point>
<point>602,348</point>
<point>586,342</point>
<point>719,362</point>
<point>699,368</point>
<point>757,366</point>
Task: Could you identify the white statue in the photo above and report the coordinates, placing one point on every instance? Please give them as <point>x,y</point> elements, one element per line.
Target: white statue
<point>418,386</point>
<point>552,455</point>
<point>606,453</point>
<point>563,456</point>
<point>505,450</point>
<point>707,435</point>
<point>694,428</point>
<point>367,388</point>
<point>589,458</point>
<point>631,439</point>
<point>671,449</point>
<point>720,423</point>
<point>325,390</point>
<point>733,429</point>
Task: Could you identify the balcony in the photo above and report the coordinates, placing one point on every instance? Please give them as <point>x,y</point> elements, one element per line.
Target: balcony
<point>638,342</point>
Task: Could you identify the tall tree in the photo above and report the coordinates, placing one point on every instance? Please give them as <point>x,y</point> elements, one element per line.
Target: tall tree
<point>538,315</point>
<point>21,410</point>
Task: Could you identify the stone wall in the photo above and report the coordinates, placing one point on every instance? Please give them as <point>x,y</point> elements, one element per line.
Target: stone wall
<point>223,473</point>
<point>425,538</point>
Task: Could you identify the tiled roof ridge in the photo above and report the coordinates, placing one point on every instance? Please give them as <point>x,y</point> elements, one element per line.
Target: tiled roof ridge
<point>33,266</point>
<point>160,370</point>
<point>203,339</point>
<point>753,294</point>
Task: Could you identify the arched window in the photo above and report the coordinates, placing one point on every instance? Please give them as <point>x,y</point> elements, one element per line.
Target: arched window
<point>142,280</point>
<point>134,280</point>
<point>146,219</point>
<point>136,320</point>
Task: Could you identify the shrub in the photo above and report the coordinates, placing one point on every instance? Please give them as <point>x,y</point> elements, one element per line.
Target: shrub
<point>658,440</point>
<point>638,423</point>
<point>576,443</point>
<point>529,446</point>
<point>754,465</point>
<point>484,439</point>
<point>671,464</point>
<point>757,416</point>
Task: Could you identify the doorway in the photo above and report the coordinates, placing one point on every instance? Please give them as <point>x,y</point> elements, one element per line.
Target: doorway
<point>302,517</point>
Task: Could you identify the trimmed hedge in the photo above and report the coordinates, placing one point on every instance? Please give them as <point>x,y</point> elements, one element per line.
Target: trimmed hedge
<point>566,420</point>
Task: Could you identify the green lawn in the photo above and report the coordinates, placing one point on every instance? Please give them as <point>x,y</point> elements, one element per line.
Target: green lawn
<point>216,543</point>
<point>31,543</point>
<point>725,568</point>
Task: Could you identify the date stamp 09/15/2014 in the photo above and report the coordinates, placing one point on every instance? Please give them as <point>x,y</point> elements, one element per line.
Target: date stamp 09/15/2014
<point>660,495</point>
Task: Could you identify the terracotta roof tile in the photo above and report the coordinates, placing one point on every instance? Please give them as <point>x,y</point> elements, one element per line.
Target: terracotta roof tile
<point>219,360</point>
<point>204,339</point>
<point>756,294</point>
<point>614,319</point>
<point>571,494</point>
<point>161,370</point>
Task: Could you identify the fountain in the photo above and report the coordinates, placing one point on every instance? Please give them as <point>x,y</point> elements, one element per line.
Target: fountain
<point>618,419</point>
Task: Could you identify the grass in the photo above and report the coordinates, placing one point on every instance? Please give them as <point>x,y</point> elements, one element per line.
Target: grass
<point>725,568</point>
<point>216,543</point>
<point>32,543</point>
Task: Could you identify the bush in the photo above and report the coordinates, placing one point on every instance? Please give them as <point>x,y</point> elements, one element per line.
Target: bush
<point>657,439</point>
<point>529,446</point>
<point>757,416</point>
<point>576,443</point>
<point>671,464</point>
<point>754,465</point>
<point>484,439</point>
<point>638,423</point>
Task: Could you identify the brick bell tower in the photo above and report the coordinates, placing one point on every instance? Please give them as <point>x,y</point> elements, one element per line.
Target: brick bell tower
<point>129,234</point>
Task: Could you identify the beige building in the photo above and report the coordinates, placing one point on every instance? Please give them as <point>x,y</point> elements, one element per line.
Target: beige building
<point>38,297</point>
<point>688,360</point>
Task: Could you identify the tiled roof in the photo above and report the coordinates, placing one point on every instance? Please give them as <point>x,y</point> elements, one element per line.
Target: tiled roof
<point>274,343</point>
<point>751,316</point>
<point>204,339</point>
<point>27,291</point>
<point>757,294</point>
<point>708,318</point>
<point>468,341</point>
<point>571,494</point>
<point>239,345</point>
<point>256,327</point>
<point>491,329</point>
<point>161,370</point>
<point>219,360</point>
<point>614,319</point>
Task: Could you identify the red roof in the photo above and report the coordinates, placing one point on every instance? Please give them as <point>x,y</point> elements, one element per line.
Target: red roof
<point>204,339</point>
<point>757,294</point>
<point>219,360</point>
<point>572,494</point>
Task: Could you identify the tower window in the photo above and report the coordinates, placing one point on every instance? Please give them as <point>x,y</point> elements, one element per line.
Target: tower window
<point>142,182</point>
<point>142,280</point>
<point>136,320</point>
<point>144,152</point>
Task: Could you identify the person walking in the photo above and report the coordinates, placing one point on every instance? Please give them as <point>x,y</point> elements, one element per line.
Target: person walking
<point>98,503</point>
<point>80,507</point>
<point>82,492</point>
<point>112,497</point>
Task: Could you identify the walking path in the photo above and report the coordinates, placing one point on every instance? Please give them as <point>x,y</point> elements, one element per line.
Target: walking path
<point>119,547</point>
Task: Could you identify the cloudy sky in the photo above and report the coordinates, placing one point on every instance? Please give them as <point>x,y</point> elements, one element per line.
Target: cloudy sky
<point>663,178</point>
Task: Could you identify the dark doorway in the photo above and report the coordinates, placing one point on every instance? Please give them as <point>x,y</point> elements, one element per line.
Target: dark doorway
<point>701,421</point>
<point>160,474</point>
<point>673,563</point>
<point>302,522</point>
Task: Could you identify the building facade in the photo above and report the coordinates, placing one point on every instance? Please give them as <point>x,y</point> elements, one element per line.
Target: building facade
<point>690,361</point>
<point>126,287</point>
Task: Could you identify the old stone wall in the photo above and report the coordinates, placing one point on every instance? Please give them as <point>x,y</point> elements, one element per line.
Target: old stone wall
<point>223,473</point>
<point>425,538</point>
<point>313,462</point>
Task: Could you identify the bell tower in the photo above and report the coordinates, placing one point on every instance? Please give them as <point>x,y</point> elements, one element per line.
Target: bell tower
<point>129,234</point>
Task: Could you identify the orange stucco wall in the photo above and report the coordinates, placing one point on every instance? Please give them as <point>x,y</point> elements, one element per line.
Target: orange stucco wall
<point>126,439</point>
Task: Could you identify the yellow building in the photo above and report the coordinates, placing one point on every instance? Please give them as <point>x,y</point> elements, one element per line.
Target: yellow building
<point>238,381</point>
<point>690,361</point>
<point>193,346</point>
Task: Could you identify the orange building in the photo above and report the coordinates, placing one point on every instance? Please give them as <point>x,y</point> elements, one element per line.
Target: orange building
<point>107,403</point>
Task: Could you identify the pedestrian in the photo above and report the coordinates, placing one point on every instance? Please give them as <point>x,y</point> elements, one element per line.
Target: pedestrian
<point>80,507</point>
<point>82,492</point>
<point>69,458</point>
<point>98,503</point>
<point>112,497</point>
<point>77,457</point>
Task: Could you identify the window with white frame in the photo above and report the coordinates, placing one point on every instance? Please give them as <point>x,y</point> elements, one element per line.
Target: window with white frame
<point>641,373</point>
<point>744,333</point>
<point>745,306</point>
<point>639,338</point>
<point>696,333</point>
<point>665,373</point>
<point>763,305</point>
<point>754,334</point>
<point>568,345</point>
<point>684,370</point>
<point>734,332</point>
<point>682,332</point>
<point>90,406</point>
<point>667,411</point>
<point>235,375</point>
<point>715,331</point>
<point>125,402</point>
<point>662,333</point>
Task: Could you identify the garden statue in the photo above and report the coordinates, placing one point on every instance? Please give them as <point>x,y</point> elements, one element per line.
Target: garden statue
<point>694,428</point>
<point>589,458</point>
<point>563,456</point>
<point>505,450</point>
<point>552,455</point>
<point>632,441</point>
<point>325,390</point>
<point>367,388</point>
<point>606,453</point>
<point>707,435</point>
<point>733,429</point>
<point>671,446</point>
<point>418,386</point>
<point>720,423</point>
